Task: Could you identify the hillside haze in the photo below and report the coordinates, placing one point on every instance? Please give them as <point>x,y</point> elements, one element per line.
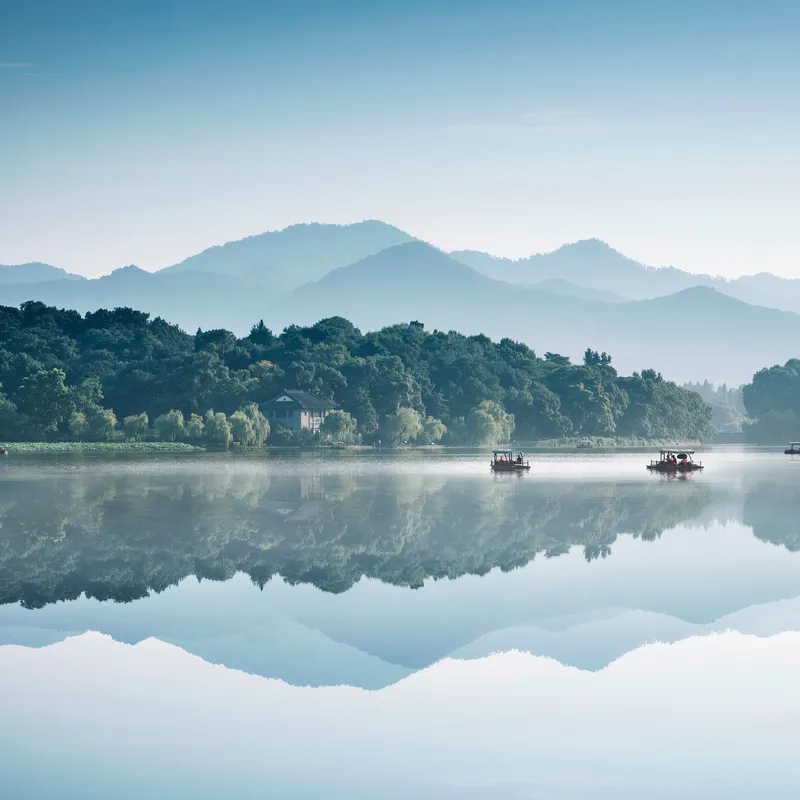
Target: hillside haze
<point>594,265</point>
<point>589,263</point>
<point>297,254</point>
<point>33,272</point>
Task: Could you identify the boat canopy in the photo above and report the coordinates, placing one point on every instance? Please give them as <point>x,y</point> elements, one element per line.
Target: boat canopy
<point>794,444</point>
<point>502,452</point>
<point>677,452</point>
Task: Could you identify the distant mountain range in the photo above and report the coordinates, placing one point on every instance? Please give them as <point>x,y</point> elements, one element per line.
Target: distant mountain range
<point>35,272</point>
<point>593,264</point>
<point>586,294</point>
<point>697,331</point>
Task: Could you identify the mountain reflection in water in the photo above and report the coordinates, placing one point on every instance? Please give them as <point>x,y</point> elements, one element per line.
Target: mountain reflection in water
<point>709,717</point>
<point>580,568</point>
<point>463,602</point>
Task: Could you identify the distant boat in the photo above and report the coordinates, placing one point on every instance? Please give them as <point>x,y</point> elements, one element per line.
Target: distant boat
<point>675,461</point>
<point>3,451</point>
<point>793,449</point>
<point>583,443</point>
<point>504,461</point>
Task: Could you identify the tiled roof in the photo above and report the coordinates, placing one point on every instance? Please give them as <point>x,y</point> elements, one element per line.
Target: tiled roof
<point>306,400</point>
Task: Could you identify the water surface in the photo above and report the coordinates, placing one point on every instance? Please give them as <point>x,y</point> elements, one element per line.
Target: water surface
<point>379,626</point>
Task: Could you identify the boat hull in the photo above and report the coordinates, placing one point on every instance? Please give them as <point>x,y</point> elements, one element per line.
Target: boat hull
<point>511,468</point>
<point>675,467</point>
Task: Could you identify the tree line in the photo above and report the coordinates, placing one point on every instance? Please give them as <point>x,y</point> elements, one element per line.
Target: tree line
<point>118,373</point>
<point>772,400</point>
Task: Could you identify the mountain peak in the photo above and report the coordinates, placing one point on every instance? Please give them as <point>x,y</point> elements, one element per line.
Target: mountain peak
<point>298,254</point>
<point>364,224</point>
<point>414,258</point>
<point>584,250</point>
<point>591,245</point>
<point>128,273</point>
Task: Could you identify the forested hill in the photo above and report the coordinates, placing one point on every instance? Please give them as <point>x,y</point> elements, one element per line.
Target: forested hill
<point>401,382</point>
<point>772,400</point>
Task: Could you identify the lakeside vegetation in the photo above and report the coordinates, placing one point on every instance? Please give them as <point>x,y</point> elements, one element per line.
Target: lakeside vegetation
<point>118,376</point>
<point>102,447</point>
<point>772,399</point>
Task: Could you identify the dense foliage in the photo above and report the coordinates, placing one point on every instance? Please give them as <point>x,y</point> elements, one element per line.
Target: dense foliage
<point>70,376</point>
<point>773,400</point>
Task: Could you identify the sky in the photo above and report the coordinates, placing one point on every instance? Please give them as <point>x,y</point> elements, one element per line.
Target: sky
<point>142,132</point>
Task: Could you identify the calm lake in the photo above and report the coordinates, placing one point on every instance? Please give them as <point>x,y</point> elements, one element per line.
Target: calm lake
<point>370,626</point>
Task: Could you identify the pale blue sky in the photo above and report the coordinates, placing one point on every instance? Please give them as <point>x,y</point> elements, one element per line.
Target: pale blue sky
<point>142,132</point>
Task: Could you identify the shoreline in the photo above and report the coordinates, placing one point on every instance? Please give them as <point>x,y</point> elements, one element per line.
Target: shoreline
<point>101,447</point>
<point>154,448</point>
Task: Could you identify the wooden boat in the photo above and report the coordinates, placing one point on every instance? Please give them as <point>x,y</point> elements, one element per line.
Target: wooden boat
<point>504,461</point>
<point>793,449</point>
<point>675,461</point>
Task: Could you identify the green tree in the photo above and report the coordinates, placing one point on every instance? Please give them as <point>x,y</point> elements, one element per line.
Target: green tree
<point>169,427</point>
<point>433,430</point>
<point>78,425</point>
<point>339,426</point>
<point>103,425</point>
<point>260,334</point>
<point>194,427</point>
<point>217,429</point>
<point>136,426</point>
<point>258,422</point>
<point>774,389</point>
<point>242,428</point>
<point>402,426</point>
<point>87,395</point>
<point>45,399</point>
<point>490,423</point>
<point>11,423</point>
<point>359,404</point>
<point>481,427</point>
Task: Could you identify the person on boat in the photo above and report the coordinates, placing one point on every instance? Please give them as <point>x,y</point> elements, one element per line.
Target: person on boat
<point>519,458</point>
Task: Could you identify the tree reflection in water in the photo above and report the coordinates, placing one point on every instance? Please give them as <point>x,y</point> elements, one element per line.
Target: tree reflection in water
<point>120,535</point>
